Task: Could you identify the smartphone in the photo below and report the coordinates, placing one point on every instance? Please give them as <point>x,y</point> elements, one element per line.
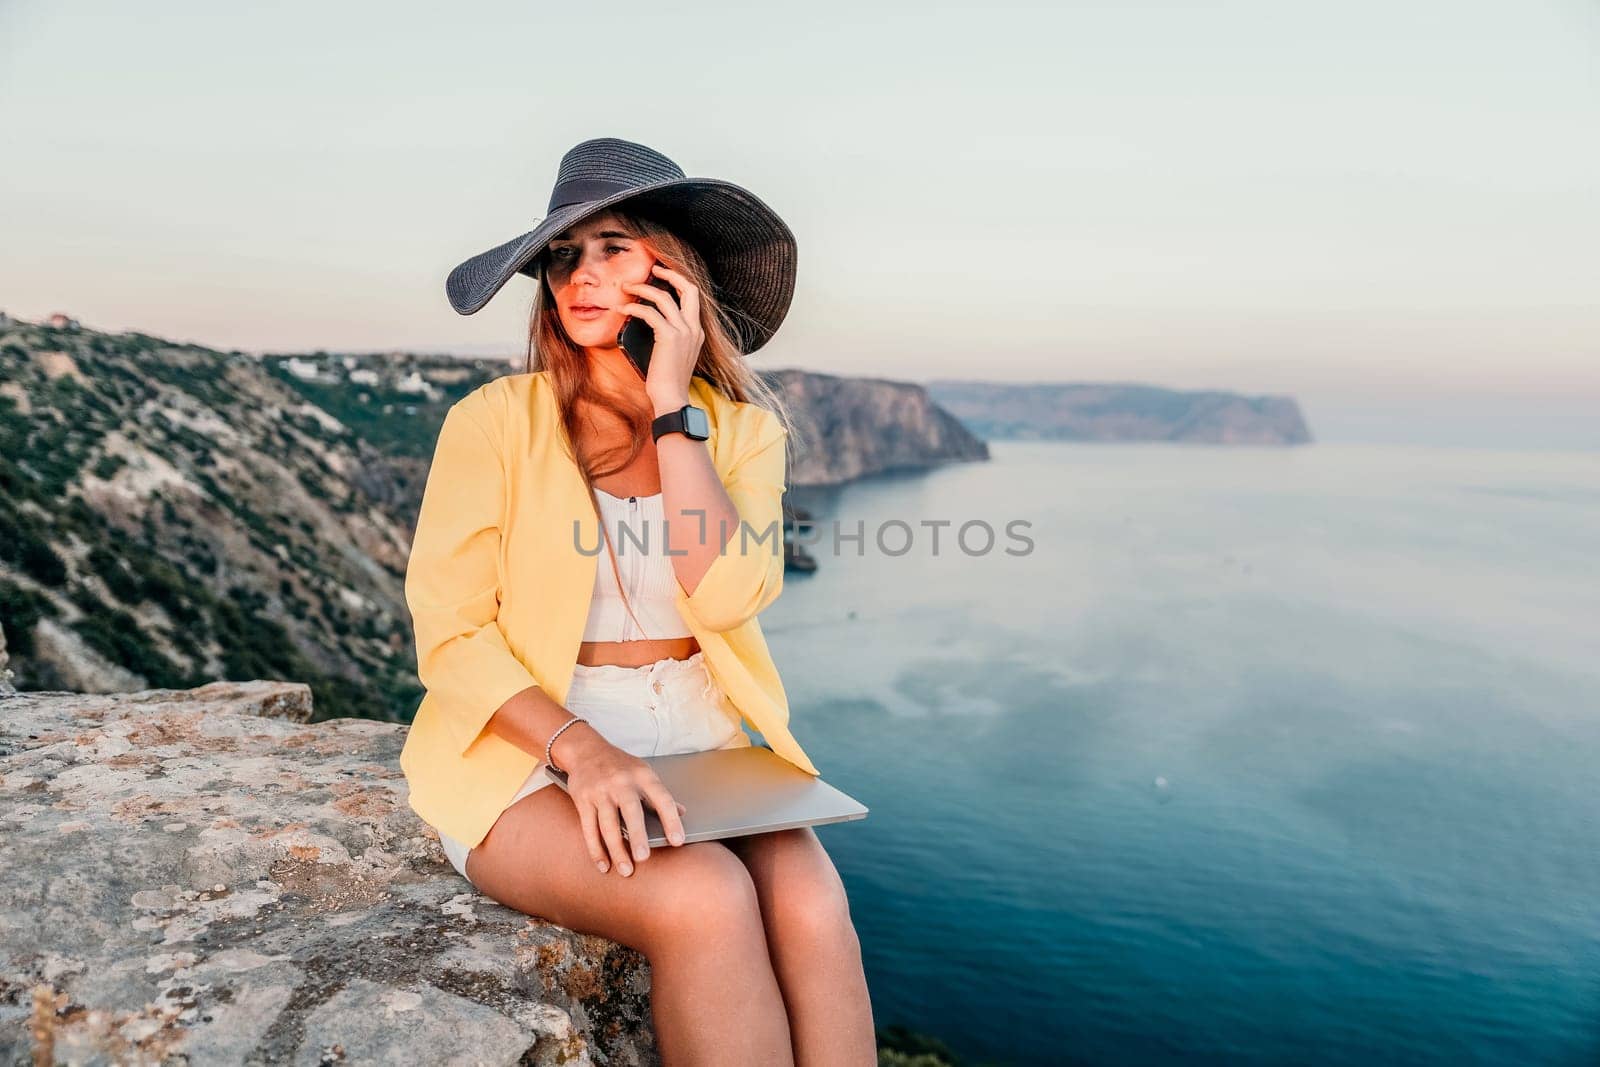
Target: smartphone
<point>637,337</point>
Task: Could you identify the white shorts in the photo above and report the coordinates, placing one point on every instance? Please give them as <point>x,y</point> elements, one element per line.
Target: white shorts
<point>656,709</point>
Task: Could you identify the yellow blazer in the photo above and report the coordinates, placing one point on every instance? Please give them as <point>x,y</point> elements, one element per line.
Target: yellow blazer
<point>499,591</point>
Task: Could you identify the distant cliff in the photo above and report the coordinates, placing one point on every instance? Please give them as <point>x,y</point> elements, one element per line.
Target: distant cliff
<point>853,427</point>
<point>1119,412</point>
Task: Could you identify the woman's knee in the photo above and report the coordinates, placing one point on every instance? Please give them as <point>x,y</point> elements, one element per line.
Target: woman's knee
<point>814,912</point>
<point>804,897</point>
<point>702,888</point>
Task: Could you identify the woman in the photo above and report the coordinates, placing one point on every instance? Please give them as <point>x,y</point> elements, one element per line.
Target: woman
<point>535,647</point>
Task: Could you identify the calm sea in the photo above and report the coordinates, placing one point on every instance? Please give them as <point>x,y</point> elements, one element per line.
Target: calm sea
<point>1255,755</point>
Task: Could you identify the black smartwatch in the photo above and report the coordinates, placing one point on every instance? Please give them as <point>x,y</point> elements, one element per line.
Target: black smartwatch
<point>687,420</point>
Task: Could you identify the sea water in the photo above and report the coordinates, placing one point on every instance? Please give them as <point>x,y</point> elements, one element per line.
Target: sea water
<point>1247,755</point>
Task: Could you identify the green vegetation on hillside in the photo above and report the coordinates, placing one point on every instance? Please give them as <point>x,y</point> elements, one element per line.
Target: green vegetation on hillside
<point>394,422</point>
<point>154,596</point>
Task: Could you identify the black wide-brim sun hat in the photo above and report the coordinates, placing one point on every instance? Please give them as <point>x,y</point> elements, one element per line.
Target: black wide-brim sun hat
<point>748,249</point>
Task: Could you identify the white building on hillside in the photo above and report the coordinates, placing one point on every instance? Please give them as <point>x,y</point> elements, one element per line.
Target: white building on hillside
<point>416,383</point>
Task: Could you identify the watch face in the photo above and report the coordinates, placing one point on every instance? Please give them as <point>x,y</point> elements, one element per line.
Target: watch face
<point>696,423</point>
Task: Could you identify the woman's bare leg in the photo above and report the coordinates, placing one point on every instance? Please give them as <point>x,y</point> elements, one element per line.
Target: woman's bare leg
<point>815,951</point>
<point>691,909</point>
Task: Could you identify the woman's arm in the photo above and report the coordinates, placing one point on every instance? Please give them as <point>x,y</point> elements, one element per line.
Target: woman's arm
<point>453,590</point>
<point>725,540</point>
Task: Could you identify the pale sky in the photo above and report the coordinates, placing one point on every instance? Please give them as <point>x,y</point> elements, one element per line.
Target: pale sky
<point>1385,208</point>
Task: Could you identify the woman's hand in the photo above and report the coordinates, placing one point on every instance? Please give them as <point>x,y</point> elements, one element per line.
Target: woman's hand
<point>609,787</point>
<point>679,336</point>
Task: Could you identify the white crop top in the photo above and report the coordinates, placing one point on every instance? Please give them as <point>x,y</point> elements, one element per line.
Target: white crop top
<point>646,570</point>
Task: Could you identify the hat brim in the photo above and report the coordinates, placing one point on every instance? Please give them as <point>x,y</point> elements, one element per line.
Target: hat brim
<point>749,250</point>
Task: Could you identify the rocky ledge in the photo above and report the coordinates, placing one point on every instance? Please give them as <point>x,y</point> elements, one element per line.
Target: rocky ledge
<point>200,876</point>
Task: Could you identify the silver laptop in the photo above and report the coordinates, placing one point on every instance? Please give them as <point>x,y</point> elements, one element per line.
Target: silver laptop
<point>730,792</point>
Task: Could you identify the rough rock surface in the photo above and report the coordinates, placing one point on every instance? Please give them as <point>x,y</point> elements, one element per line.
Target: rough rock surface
<point>6,688</point>
<point>201,876</point>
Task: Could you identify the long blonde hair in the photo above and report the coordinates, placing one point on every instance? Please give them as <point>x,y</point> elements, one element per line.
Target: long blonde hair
<point>721,363</point>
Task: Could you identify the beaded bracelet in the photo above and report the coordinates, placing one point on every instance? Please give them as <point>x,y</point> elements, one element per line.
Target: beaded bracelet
<point>547,744</point>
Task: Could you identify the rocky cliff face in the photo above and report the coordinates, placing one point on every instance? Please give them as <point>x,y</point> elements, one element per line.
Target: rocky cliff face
<point>200,876</point>
<point>1115,412</point>
<point>847,428</point>
<point>171,514</point>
